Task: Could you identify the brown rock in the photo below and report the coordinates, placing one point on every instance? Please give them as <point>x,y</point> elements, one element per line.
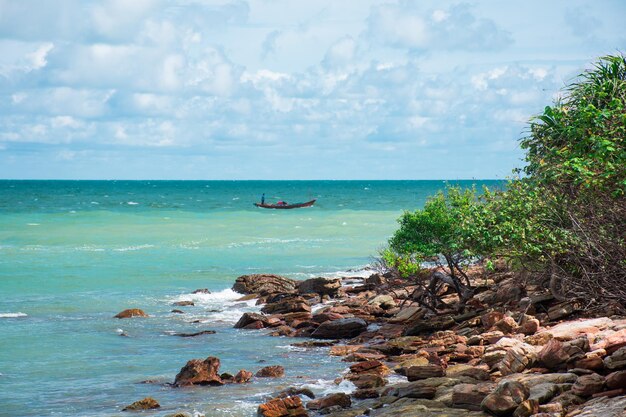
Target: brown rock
<point>177,311</point>
<point>340,329</point>
<point>414,373</point>
<point>183,303</point>
<point>344,350</point>
<point>200,333</point>
<point>616,380</point>
<point>131,312</point>
<point>282,407</point>
<point>200,372</point>
<point>374,366</point>
<point>201,291</point>
<point>507,396</point>
<point>362,394</point>
<point>526,408</point>
<point>617,360</point>
<point>249,318</point>
<point>242,377</point>
<point>322,286</point>
<point>491,318</point>
<point>587,385</point>
<point>275,371</point>
<point>322,317</point>
<point>263,284</point>
<point>287,305</point>
<point>147,403</point>
<point>365,381</point>
<point>561,311</point>
<point>604,407</point>
<point>507,325</point>
<point>338,399</point>
<point>530,326</point>
<point>470,396</point>
<point>552,355</point>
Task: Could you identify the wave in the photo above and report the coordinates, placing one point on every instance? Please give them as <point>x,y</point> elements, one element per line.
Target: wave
<point>221,306</point>
<point>12,315</point>
<point>132,203</point>
<point>133,248</point>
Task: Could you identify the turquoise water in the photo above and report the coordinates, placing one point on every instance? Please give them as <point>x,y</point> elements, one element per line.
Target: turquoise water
<point>75,253</point>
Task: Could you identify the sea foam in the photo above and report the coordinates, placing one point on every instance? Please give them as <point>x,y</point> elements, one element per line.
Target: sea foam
<point>12,315</point>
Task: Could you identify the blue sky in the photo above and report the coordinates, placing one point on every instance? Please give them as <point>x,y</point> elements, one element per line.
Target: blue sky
<point>285,89</point>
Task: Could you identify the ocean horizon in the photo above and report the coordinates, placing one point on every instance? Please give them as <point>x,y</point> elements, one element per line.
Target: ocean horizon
<point>73,253</point>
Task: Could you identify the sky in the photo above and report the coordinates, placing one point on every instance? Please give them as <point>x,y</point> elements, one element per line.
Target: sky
<point>285,89</point>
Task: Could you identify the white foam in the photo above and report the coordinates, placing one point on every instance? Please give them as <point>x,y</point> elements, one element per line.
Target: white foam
<point>132,248</point>
<point>324,387</point>
<point>221,306</point>
<point>132,203</point>
<point>33,224</point>
<point>12,315</point>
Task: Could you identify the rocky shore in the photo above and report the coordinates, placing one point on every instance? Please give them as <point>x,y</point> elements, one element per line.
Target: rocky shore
<point>513,351</point>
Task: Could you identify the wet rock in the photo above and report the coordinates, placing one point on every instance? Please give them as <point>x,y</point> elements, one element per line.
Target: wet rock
<point>242,377</point>
<point>283,331</point>
<point>200,372</point>
<point>338,399</point>
<point>275,371</point>
<point>263,284</point>
<point>282,407</point>
<point>322,286</point>
<point>617,360</point>
<point>322,317</point>
<point>471,396</point>
<point>203,332</point>
<point>372,367</point>
<point>131,312</point>
<point>249,318</point>
<point>363,394</point>
<point>291,391</point>
<point>587,385</point>
<point>177,311</point>
<point>147,403</point>
<point>201,291</point>
<point>505,398</point>
<point>365,381</point>
<point>340,329</point>
<point>183,303</point>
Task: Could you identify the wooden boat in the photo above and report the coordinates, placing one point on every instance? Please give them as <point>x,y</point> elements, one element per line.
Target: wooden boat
<point>285,206</point>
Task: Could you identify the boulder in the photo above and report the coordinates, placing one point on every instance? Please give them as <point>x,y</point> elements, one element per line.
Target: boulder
<point>340,329</point>
<point>131,312</point>
<point>322,286</point>
<point>275,371</point>
<point>367,381</point>
<point>470,396</point>
<point>291,391</point>
<point>617,360</point>
<point>201,291</point>
<point>183,303</point>
<point>370,367</point>
<point>383,301</point>
<point>200,372</point>
<point>363,394</point>
<point>616,380</point>
<point>519,357</point>
<point>605,407</point>
<point>287,305</point>
<point>249,318</point>
<point>507,325</point>
<point>338,399</point>
<point>526,408</point>
<point>147,403</point>
<point>322,317</point>
<point>587,385</point>
<point>414,373</point>
<point>263,284</point>
<point>491,318</point>
<point>507,396</point>
<point>200,333</point>
<point>242,377</point>
<point>282,407</point>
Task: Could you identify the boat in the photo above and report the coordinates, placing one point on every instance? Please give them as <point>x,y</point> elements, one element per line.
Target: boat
<point>285,206</point>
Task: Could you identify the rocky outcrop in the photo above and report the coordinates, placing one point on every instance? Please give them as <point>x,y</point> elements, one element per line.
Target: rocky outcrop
<point>131,312</point>
<point>340,329</point>
<point>332,400</point>
<point>147,403</point>
<point>287,305</point>
<point>264,284</point>
<point>200,372</point>
<point>259,320</point>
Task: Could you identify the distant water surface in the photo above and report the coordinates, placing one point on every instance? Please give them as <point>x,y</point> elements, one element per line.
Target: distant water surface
<point>74,253</point>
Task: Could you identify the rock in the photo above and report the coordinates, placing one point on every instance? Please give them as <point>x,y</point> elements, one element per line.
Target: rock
<point>552,355</point>
<point>322,317</point>
<point>561,311</point>
<point>242,377</point>
<point>568,399</point>
<point>291,391</point>
<point>200,372</point>
<point>526,408</point>
<point>470,396</point>
<point>263,284</point>
<point>366,381</point>
<point>340,329</point>
<point>383,301</point>
<point>507,325</point>
<point>474,372</point>
<point>491,318</point>
<point>177,311</point>
<point>617,360</point>
<point>322,286</point>
<point>249,318</point>
<point>147,403</point>
<point>408,315</point>
<point>530,326</point>
<point>592,360</point>
<point>372,367</point>
<point>183,303</point>
<point>507,396</point>
<point>587,385</point>
<point>282,331</point>
<point>282,407</point>
<point>431,325</point>
<point>287,305</point>
<point>338,399</point>
<point>203,332</point>
<point>616,380</point>
<point>517,358</point>
<point>414,373</point>
<point>275,371</point>
<point>605,407</point>
<point>201,291</point>
<point>131,312</point>
<point>543,393</point>
<point>343,350</point>
<point>362,394</point>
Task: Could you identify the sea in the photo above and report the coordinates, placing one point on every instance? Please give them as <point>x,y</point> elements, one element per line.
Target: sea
<point>75,253</point>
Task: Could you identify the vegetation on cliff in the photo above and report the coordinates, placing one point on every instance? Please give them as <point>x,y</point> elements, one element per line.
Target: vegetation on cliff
<point>562,221</point>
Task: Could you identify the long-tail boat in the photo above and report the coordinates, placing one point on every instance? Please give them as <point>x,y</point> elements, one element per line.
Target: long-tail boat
<point>283,205</point>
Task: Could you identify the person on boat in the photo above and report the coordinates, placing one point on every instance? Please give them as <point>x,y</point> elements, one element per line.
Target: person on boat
<point>263,199</point>
<point>281,203</point>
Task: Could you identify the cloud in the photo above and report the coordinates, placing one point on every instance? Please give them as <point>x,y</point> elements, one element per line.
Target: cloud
<point>409,26</point>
